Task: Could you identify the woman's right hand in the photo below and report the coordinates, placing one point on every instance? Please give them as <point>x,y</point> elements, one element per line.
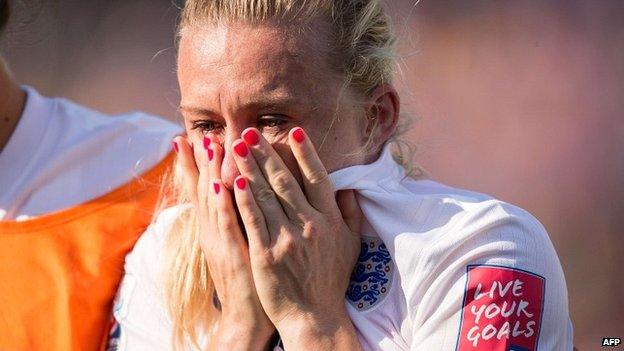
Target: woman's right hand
<point>242,322</point>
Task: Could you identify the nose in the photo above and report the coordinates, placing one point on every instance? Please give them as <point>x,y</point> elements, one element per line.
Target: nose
<point>229,170</point>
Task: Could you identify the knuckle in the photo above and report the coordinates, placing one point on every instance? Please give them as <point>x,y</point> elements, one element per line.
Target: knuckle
<point>226,223</point>
<point>229,225</point>
<point>261,156</point>
<point>255,222</point>
<point>264,194</point>
<point>318,176</point>
<point>310,230</point>
<point>282,182</point>
<point>334,219</point>
<point>265,259</point>
<point>289,245</point>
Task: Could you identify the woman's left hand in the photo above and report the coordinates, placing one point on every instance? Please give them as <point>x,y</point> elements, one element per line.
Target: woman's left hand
<point>303,243</point>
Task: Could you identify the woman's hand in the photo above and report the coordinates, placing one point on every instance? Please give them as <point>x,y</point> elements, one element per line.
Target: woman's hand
<point>303,246</point>
<point>242,324</point>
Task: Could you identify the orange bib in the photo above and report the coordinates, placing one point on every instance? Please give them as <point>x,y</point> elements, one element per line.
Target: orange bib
<point>59,272</point>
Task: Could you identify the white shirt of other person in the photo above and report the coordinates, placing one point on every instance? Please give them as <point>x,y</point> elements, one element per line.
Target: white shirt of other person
<point>62,154</point>
<point>440,269</point>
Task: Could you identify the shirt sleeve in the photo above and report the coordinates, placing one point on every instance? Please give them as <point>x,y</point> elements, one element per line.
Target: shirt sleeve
<point>140,318</point>
<point>491,281</point>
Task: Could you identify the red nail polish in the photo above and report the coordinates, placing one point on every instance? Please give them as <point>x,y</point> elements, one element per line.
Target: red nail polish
<point>241,149</point>
<point>241,183</point>
<point>175,146</point>
<point>217,187</point>
<point>210,154</point>
<point>251,137</point>
<point>298,135</point>
<point>206,142</point>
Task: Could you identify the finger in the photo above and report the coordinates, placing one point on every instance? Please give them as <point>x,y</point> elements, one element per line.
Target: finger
<point>263,195</point>
<point>316,182</point>
<point>350,209</point>
<point>229,231</point>
<point>275,210</point>
<point>252,216</point>
<point>214,154</point>
<point>206,209</point>
<point>209,158</point>
<point>186,167</point>
<point>203,179</point>
<point>279,177</point>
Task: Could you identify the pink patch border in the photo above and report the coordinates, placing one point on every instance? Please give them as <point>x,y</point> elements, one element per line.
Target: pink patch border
<point>472,266</point>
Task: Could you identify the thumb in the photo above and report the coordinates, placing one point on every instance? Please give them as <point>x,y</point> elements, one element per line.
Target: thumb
<point>350,209</point>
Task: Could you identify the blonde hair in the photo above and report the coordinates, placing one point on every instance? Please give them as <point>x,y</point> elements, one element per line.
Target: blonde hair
<point>362,53</point>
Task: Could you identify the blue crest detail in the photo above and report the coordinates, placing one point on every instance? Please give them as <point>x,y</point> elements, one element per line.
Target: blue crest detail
<point>372,275</point>
<point>114,336</point>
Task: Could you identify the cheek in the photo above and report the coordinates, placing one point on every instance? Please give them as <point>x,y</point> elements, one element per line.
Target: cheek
<point>341,143</point>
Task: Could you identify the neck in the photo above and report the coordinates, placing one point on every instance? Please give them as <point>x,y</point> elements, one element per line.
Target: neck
<point>12,100</point>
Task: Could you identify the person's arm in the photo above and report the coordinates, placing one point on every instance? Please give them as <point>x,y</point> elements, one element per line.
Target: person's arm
<point>239,334</point>
<point>498,286</point>
<point>301,251</point>
<point>303,242</point>
<point>321,334</point>
<point>242,323</point>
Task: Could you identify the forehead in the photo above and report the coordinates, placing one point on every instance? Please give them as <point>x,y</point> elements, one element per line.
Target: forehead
<point>251,62</point>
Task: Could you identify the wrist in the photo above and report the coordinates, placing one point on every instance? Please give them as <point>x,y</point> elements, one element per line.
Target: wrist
<point>240,334</point>
<point>319,332</point>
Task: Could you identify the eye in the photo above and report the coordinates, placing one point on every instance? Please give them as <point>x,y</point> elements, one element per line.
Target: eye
<point>272,121</point>
<point>205,126</point>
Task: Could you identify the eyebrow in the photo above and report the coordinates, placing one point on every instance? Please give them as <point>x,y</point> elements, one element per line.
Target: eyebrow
<point>277,103</point>
<point>197,110</point>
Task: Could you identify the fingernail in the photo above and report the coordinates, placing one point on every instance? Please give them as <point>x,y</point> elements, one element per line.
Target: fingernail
<point>217,187</point>
<point>298,135</point>
<point>175,146</point>
<point>206,142</point>
<point>241,149</point>
<point>210,154</point>
<point>251,137</point>
<point>241,182</point>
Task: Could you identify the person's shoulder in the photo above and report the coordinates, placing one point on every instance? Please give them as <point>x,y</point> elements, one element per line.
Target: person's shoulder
<point>458,212</point>
<point>119,146</point>
<point>141,305</point>
<point>75,125</point>
<point>480,215</point>
<point>94,121</point>
<point>476,247</point>
<point>78,118</point>
<point>162,224</point>
<point>467,226</point>
<point>148,250</point>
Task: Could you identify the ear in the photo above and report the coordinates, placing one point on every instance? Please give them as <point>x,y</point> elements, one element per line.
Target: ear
<point>382,113</point>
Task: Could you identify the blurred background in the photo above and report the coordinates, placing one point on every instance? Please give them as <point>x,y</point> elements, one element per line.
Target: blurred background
<point>523,100</point>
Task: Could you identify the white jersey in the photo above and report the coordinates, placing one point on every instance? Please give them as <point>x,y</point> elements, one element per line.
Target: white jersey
<point>439,269</point>
<point>62,154</point>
